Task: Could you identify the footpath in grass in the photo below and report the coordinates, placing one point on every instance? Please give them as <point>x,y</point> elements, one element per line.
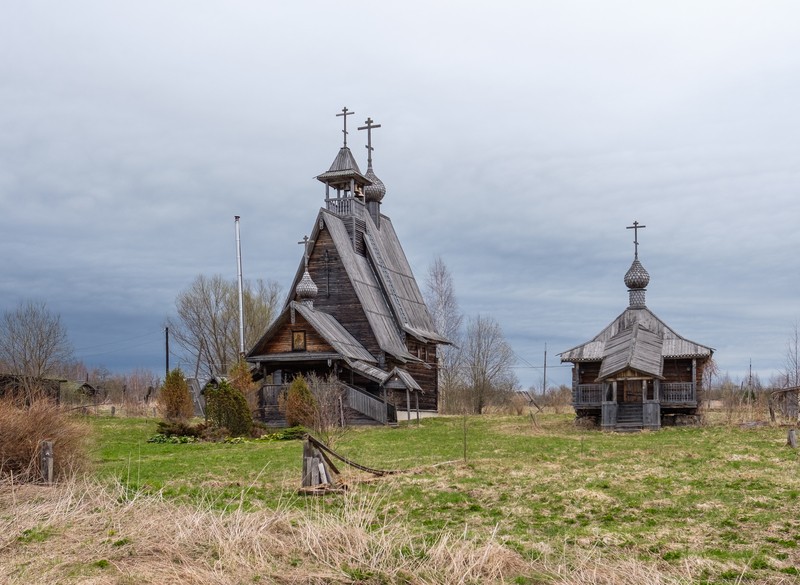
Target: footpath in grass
<point>713,503</point>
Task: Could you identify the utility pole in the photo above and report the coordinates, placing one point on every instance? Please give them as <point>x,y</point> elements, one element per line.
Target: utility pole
<point>544,383</point>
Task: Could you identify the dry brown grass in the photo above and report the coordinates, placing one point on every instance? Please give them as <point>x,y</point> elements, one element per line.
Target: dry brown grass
<point>22,430</point>
<point>84,532</point>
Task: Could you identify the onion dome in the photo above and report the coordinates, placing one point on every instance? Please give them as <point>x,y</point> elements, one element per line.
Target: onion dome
<point>637,276</point>
<point>636,279</point>
<point>376,190</point>
<point>306,290</point>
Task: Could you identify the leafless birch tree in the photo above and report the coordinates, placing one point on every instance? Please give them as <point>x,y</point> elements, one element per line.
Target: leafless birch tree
<point>487,361</point>
<point>441,299</point>
<point>791,371</point>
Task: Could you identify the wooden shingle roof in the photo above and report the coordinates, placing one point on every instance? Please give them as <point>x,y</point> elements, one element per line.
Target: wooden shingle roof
<point>638,339</point>
<point>344,344</point>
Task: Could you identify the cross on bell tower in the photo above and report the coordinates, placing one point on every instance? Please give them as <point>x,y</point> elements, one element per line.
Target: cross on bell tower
<point>369,125</point>
<point>344,114</point>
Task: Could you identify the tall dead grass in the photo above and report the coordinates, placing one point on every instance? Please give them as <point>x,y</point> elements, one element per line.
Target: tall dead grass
<point>82,531</point>
<point>23,429</point>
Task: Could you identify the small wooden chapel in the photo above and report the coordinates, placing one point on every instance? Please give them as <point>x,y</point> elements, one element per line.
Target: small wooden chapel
<point>354,311</point>
<point>637,373</point>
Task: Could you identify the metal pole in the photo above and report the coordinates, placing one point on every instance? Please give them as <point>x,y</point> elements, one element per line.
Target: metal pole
<point>241,299</point>
<point>166,344</point>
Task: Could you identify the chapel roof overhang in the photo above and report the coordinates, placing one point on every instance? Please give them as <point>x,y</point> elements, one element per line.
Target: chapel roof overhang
<point>672,345</point>
<point>343,343</point>
<point>344,168</point>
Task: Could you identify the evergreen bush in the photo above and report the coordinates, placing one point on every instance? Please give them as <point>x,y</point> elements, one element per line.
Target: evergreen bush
<point>226,407</point>
<point>299,406</point>
<point>175,400</point>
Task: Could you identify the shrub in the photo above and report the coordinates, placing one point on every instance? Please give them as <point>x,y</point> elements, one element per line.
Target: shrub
<point>299,406</point>
<point>175,400</point>
<point>21,431</point>
<point>180,429</point>
<point>241,378</point>
<point>227,408</point>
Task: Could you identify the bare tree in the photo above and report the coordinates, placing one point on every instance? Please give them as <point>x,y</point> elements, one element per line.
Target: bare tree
<point>487,361</point>
<point>330,418</point>
<point>791,371</point>
<point>207,326</point>
<point>440,297</point>
<point>33,344</point>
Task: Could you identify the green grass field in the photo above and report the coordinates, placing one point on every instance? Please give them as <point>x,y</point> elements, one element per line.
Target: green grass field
<point>710,504</point>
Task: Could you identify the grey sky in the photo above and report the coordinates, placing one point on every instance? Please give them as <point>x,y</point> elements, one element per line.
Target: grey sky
<point>518,140</point>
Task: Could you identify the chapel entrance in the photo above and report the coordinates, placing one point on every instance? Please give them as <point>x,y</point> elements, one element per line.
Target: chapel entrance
<point>631,391</point>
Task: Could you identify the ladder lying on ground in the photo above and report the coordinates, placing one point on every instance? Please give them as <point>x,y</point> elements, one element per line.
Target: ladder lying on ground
<point>320,474</point>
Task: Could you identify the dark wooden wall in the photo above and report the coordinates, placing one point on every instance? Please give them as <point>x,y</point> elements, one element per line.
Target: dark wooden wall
<point>588,372</point>
<point>281,342</point>
<point>336,294</point>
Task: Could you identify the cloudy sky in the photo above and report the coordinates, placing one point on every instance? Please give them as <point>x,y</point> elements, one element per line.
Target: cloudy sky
<point>518,141</point>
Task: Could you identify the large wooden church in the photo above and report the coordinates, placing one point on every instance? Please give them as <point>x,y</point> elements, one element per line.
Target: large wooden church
<point>637,372</point>
<point>354,310</point>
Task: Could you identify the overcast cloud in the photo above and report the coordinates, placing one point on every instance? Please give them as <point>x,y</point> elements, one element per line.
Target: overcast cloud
<point>518,140</point>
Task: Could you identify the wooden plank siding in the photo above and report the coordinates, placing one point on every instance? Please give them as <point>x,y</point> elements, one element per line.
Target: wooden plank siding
<point>282,341</point>
<point>336,293</point>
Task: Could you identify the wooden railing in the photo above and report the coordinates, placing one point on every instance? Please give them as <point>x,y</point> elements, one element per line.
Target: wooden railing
<point>370,405</point>
<point>271,392</point>
<point>344,206</point>
<point>679,392</point>
<point>588,395</point>
<point>358,400</point>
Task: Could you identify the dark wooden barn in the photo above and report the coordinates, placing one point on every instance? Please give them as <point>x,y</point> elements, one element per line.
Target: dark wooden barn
<point>355,310</point>
<point>637,372</point>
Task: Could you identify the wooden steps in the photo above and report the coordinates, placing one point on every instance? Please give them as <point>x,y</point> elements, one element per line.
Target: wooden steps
<point>629,417</point>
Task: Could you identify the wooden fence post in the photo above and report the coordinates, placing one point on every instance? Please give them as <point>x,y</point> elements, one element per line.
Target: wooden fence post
<point>46,461</point>
<point>791,440</point>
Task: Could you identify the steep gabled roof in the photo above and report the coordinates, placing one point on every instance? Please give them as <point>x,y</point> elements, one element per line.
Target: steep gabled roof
<point>399,284</point>
<point>383,282</point>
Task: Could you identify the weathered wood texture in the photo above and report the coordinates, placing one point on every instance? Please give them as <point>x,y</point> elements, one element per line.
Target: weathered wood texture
<point>336,293</point>
<point>46,462</point>
<point>282,341</point>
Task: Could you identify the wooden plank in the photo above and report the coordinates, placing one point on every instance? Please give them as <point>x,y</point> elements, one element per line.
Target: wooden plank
<point>314,464</point>
<point>46,461</point>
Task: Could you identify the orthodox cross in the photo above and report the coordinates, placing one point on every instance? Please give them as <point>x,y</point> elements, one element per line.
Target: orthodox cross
<point>344,114</point>
<point>635,227</point>
<point>369,126</point>
<point>305,241</point>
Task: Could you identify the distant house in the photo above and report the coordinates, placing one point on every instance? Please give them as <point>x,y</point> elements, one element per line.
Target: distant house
<point>75,392</point>
<point>637,372</point>
<point>355,311</point>
<point>23,389</point>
